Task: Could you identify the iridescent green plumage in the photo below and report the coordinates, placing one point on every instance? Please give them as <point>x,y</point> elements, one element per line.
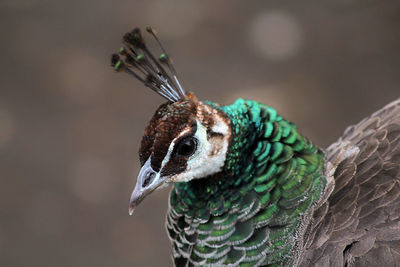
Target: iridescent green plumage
<point>249,190</point>
<point>253,212</point>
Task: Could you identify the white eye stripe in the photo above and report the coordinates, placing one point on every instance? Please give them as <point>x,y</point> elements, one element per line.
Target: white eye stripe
<point>167,157</point>
<point>172,145</point>
<point>210,154</point>
<point>184,132</point>
<point>211,151</point>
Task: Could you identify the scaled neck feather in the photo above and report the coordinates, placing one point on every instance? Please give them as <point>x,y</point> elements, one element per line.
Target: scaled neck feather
<point>272,179</point>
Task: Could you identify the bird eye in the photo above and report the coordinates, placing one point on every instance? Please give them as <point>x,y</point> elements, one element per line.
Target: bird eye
<point>186,147</point>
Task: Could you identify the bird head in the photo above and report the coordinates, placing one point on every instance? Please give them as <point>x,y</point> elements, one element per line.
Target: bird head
<point>242,173</point>
<point>186,139</point>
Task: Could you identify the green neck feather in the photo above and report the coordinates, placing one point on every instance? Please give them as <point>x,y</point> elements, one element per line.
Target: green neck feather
<point>272,178</point>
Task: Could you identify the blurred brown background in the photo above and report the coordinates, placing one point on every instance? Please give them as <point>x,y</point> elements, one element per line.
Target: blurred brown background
<point>70,127</point>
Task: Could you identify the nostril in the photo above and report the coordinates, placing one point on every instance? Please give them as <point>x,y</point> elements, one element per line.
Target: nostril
<point>149,178</point>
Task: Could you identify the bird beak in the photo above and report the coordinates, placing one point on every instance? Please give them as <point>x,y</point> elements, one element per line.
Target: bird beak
<point>148,180</point>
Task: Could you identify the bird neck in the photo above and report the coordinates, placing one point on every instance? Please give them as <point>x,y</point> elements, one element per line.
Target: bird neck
<point>272,176</point>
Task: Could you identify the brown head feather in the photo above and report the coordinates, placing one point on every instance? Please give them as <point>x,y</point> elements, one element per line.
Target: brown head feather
<point>169,120</point>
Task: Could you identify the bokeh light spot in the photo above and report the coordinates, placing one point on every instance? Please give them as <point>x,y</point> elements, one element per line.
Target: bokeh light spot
<point>276,35</point>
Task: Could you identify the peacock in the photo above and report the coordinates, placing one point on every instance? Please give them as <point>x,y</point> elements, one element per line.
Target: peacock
<point>250,190</point>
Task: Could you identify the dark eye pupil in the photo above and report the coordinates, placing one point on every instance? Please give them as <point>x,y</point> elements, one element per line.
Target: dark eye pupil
<point>187,147</point>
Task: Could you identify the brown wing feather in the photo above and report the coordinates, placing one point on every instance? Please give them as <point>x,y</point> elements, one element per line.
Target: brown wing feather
<point>359,225</point>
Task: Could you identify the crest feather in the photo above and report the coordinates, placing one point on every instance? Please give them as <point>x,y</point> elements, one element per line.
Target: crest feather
<point>137,60</point>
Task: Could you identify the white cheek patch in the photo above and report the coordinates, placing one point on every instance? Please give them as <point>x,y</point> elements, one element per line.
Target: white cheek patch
<point>210,155</point>
<point>221,127</point>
